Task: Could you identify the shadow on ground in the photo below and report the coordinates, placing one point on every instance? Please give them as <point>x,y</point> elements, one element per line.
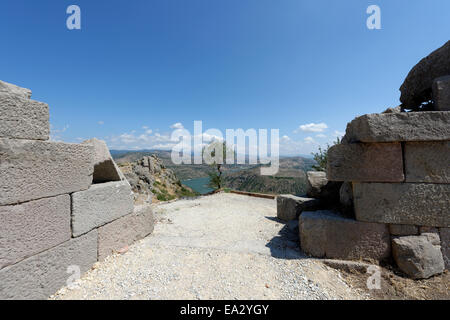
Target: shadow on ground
<point>286,244</point>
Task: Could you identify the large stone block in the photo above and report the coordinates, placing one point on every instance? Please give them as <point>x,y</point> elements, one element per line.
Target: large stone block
<point>22,118</point>
<point>105,169</point>
<point>370,162</point>
<point>32,227</point>
<point>403,203</point>
<point>99,205</point>
<point>289,207</point>
<point>13,90</point>
<point>444,234</point>
<point>328,234</point>
<point>417,87</point>
<point>427,162</point>
<point>396,127</point>
<point>32,170</point>
<point>124,231</point>
<point>42,275</point>
<point>441,93</point>
<point>417,256</point>
<point>403,230</point>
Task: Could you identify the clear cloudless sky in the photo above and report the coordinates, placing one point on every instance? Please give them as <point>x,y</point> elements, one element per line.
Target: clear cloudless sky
<point>146,64</point>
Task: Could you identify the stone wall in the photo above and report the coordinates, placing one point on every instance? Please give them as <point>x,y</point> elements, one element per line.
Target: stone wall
<point>393,170</point>
<point>62,205</point>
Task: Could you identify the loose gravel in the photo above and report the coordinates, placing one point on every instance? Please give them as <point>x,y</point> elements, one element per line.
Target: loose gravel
<point>224,246</point>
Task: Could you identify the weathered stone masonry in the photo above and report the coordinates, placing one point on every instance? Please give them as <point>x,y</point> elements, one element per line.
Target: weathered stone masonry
<point>393,169</point>
<point>61,204</point>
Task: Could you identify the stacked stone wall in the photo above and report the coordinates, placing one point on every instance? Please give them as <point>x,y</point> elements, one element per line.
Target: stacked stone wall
<point>63,206</point>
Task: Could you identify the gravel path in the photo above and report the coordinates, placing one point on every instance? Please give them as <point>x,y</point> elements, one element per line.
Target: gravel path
<point>223,246</point>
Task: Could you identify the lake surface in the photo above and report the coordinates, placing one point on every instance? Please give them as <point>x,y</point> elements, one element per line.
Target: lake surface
<point>200,185</point>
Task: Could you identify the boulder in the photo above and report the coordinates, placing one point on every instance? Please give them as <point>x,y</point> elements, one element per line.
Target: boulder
<point>417,87</point>
<point>417,257</point>
<point>289,207</point>
<point>13,90</point>
<point>329,234</point>
<point>318,186</point>
<point>105,169</point>
<point>400,127</point>
<point>441,93</point>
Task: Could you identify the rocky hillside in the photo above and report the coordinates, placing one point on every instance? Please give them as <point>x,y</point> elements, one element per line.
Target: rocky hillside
<point>291,178</point>
<point>151,181</point>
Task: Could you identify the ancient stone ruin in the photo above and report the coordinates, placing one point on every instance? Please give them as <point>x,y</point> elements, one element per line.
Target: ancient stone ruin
<point>394,176</point>
<point>62,206</point>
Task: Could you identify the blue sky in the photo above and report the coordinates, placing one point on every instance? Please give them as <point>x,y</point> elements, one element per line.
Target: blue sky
<point>138,67</point>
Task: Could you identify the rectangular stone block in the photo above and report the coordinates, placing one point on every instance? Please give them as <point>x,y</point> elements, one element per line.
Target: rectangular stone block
<point>99,205</point>
<point>403,203</point>
<point>328,234</point>
<point>42,275</point>
<point>366,162</point>
<point>403,230</point>
<point>444,234</point>
<point>31,170</point>
<point>427,162</point>
<point>441,93</point>
<point>124,231</point>
<point>398,127</point>
<point>289,207</point>
<point>22,118</point>
<point>32,227</point>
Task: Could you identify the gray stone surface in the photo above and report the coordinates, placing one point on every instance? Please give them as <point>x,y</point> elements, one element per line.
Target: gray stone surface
<point>417,87</point>
<point>124,231</point>
<point>22,118</point>
<point>32,227</point>
<point>32,170</point>
<point>315,181</point>
<point>441,93</point>
<point>318,186</point>
<point>365,162</point>
<point>289,207</point>
<point>42,275</point>
<point>99,205</point>
<point>13,90</point>
<point>328,234</point>
<point>105,169</point>
<point>427,162</point>
<point>417,256</point>
<point>444,234</point>
<point>396,127</point>
<point>403,203</point>
<point>403,230</point>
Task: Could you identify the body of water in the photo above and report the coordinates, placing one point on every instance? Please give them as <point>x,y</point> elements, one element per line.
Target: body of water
<point>200,185</point>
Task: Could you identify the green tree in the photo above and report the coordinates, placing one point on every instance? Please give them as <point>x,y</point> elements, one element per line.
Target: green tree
<point>211,154</point>
<point>321,157</point>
